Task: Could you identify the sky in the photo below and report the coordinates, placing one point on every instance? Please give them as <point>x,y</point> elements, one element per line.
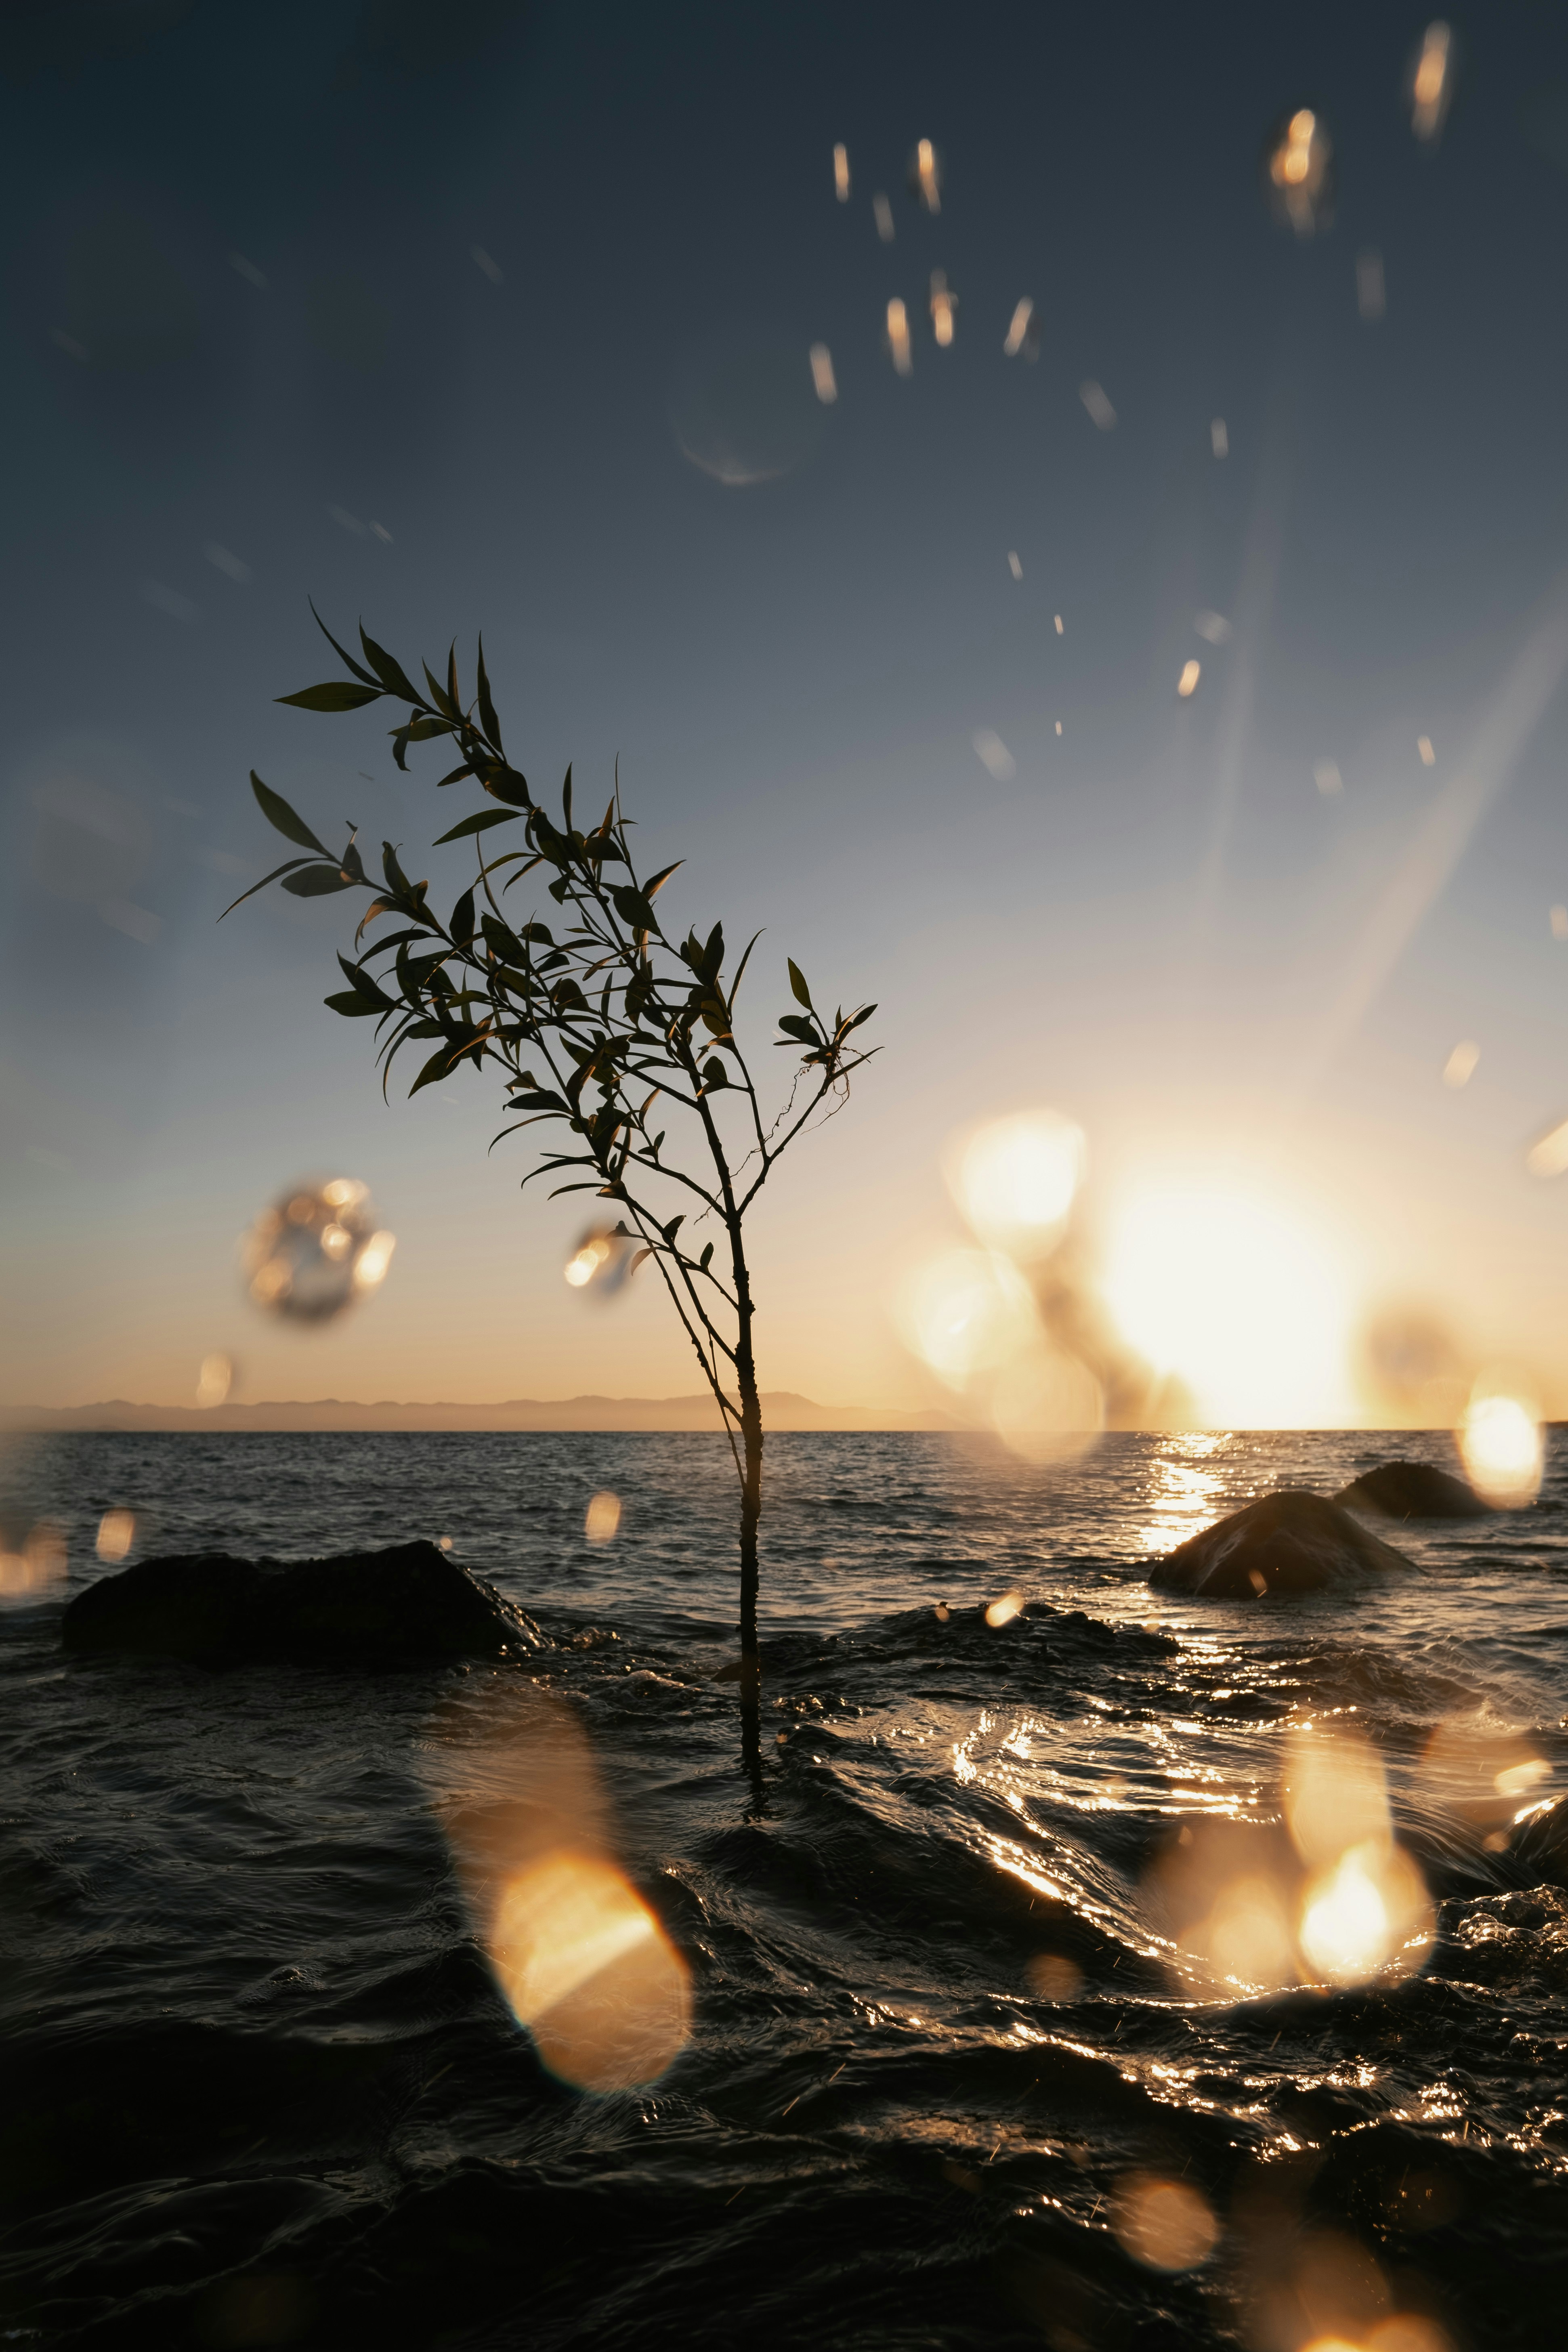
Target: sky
<point>456,318</point>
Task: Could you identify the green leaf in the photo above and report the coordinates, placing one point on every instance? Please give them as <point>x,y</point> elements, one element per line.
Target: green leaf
<point>854,1021</point>
<point>799,1027</point>
<point>480,824</point>
<point>510,787</point>
<point>461,926</point>
<point>669,1230</point>
<point>420,730</point>
<point>438,694</point>
<point>540,1100</point>
<point>715,1075</point>
<point>282,819</point>
<point>636,1261</point>
<point>566,797</point>
<point>337,694</point>
<point>287,868</point>
<point>633,907</point>
<point>490,723</point>
<point>441,1065</point>
<point>741,973</point>
<point>360,979</point>
<point>651,889</point>
<point>352,1004</point>
<point>387,670</point>
<point>797,984</point>
<point>705,1258</point>
<point>317,882</point>
<point>347,659</point>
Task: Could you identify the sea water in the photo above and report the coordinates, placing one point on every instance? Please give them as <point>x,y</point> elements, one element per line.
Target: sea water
<point>262,2086</point>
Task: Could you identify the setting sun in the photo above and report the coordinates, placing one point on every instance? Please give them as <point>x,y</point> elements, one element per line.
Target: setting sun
<point>1235,1299</point>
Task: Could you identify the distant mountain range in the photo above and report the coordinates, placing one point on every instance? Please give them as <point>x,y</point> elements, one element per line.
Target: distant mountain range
<point>781,1410</point>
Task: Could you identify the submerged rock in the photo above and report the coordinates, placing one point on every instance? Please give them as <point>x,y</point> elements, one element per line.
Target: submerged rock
<point>1413,1490</point>
<point>1290,1542</point>
<point>407,1606</point>
<point>1538,1846</point>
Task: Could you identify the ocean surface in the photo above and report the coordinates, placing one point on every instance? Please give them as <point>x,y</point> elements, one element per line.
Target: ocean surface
<point>961,2072</point>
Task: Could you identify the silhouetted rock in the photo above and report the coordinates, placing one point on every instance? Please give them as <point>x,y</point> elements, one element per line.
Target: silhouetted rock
<point>1288,1542</point>
<point>1539,1845</point>
<point>1413,1490</point>
<point>409,1605</point>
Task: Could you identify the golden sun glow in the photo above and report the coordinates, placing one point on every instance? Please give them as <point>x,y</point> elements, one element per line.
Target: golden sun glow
<point>1238,1299</point>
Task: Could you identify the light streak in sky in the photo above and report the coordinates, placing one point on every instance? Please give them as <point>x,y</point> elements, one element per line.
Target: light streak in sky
<point>1187,684</point>
<point>944,308</point>
<point>1432,83</point>
<point>1219,436</point>
<point>1445,831</point>
<point>898,339</point>
<point>1327,777</point>
<point>1548,1156</point>
<point>993,753</point>
<point>1424,745</point>
<point>925,177</point>
<point>1092,396</point>
<point>822,374</point>
<point>1371,294</point>
<point>1018,331</point>
<point>882,214</point>
<point>1460,1066</point>
<point>1297,173</point>
<point>1014,566</point>
<point>841,174</point>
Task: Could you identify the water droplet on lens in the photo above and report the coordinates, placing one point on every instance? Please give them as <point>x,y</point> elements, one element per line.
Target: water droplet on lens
<point>316,1251</point>
<point>744,408</point>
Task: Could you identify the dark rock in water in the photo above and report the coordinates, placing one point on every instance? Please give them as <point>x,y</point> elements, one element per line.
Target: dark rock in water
<point>1539,1845</point>
<point>410,1605</point>
<point>1290,1542</point>
<point>1413,1490</point>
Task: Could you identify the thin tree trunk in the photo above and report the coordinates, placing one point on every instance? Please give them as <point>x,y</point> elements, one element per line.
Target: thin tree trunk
<point>751,1512</point>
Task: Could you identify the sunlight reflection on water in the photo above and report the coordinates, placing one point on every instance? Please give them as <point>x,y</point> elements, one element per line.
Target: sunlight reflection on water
<point>1184,1489</point>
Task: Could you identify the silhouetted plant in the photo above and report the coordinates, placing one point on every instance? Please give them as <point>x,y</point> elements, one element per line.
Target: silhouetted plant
<point>608,1028</point>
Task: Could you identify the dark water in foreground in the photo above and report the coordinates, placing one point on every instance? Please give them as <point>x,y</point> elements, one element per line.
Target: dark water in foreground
<point>261,2087</point>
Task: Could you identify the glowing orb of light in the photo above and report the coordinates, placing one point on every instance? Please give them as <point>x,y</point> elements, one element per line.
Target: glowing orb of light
<point>586,1966</point>
<point>36,1566</point>
<point>602,1258</point>
<point>1501,1440</point>
<point>116,1534</point>
<point>965,1312</point>
<point>1015,1178</point>
<point>1165,2225</point>
<point>1297,172</point>
<point>1364,1913</point>
<point>602,1522</point>
<point>1238,1299</point>
<point>316,1251</point>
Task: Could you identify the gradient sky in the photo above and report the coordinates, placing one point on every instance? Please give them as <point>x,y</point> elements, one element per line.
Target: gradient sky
<point>1245,990</point>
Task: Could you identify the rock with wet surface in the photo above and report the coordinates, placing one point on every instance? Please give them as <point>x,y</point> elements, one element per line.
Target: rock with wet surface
<point>1290,1542</point>
<point>1413,1490</point>
<point>1538,1846</point>
<point>409,1605</point>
